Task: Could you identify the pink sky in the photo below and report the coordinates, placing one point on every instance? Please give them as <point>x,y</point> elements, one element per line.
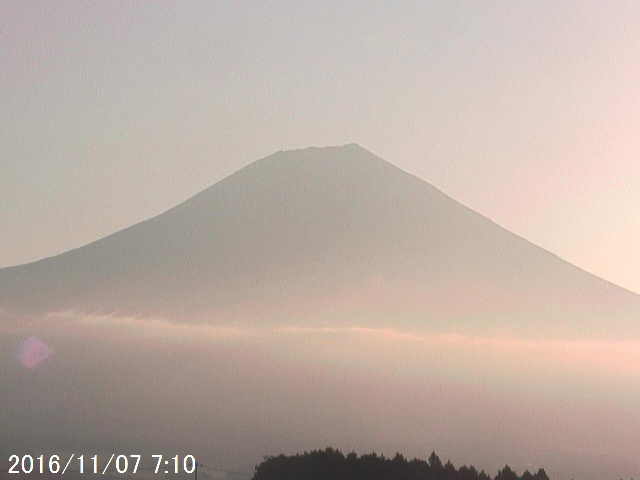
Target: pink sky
<point>526,113</point>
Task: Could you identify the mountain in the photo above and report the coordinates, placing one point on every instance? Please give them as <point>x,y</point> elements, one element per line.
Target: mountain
<point>325,236</point>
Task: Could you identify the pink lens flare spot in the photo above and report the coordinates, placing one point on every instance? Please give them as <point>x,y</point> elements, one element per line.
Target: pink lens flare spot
<point>33,352</point>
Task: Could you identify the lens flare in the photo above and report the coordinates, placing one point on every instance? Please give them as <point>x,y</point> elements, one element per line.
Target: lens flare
<point>33,352</point>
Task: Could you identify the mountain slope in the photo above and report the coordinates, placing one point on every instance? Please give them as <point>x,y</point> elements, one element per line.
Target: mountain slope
<point>326,236</point>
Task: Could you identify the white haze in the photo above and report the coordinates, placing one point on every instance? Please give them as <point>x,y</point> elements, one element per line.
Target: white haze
<point>230,395</point>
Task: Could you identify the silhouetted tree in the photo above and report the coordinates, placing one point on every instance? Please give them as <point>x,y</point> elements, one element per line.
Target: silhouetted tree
<point>506,474</point>
<point>434,461</point>
<point>541,475</point>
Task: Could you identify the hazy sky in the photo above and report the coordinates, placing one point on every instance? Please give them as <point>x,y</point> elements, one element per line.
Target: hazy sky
<point>529,113</point>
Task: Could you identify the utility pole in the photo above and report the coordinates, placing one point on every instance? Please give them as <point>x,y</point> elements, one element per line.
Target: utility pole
<point>196,471</point>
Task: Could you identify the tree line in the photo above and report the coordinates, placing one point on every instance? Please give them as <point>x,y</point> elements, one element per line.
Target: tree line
<point>330,464</point>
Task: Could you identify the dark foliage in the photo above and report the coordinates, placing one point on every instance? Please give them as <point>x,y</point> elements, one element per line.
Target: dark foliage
<point>330,464</point>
